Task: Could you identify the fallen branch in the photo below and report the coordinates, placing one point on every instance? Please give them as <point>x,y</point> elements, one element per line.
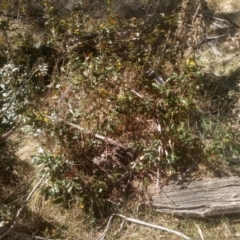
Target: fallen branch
<point>97,136</point>
<point>106,140</point>
<point>133,220</point>
<point>202,198</point>
<point>7,232</point>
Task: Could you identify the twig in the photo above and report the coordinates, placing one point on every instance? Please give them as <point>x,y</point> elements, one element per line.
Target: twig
<point>196,12</point>
<point>223,19</point>
<point>73,125</point>
<point>21,209</point>
<point>137,94</point>
<point>121,227</point>
<point>106,139</point>
<point>6,135</point>
<point>106,229</point>
<point>215,18</point>
<point>97,136</point>
<point>64,94</point>
<point>68,123</point>
<point>230,21</point>
<point>200,232</point>
<point>216,37</point>
<point>133,220</point>
<point>159,155</point>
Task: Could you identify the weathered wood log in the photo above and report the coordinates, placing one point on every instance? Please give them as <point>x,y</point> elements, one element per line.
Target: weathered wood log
<point>201,198</point>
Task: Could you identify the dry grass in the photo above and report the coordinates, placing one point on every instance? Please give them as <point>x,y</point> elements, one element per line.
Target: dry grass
<point>62,223</point>
<point>53,221</point>
<point>212,229</point>
<point>73,224</point>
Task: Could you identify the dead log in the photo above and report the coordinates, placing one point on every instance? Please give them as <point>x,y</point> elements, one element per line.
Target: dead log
<point>201,198</point>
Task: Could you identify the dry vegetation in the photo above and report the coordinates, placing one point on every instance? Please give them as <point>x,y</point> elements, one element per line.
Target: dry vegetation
<point>74,74</point>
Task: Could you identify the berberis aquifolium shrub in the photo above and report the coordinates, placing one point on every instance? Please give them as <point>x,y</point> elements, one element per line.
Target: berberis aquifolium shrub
<point>80,74</point>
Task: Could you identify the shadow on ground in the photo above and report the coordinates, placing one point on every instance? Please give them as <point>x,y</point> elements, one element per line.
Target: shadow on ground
<point>15,182</point>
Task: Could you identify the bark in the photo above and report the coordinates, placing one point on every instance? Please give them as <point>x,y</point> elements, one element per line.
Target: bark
<point>199,198</point>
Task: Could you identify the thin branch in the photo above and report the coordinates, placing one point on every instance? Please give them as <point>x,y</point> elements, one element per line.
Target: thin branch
<point>137,94</point>
<point>133,220</point>
<point>106,229</point>
<point>107,140</point>
<point>121,227</point>
<point>6,135</point>
<point>215,18</point>
<point>200,232</point>
<point>21,209</point>
<point>97,136</point>
<point>216,37</point>
<point>196,12</point>
<point>223,18</point>
<point>74,125</point>
<point>160,150</point>
<point>230,21</point>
